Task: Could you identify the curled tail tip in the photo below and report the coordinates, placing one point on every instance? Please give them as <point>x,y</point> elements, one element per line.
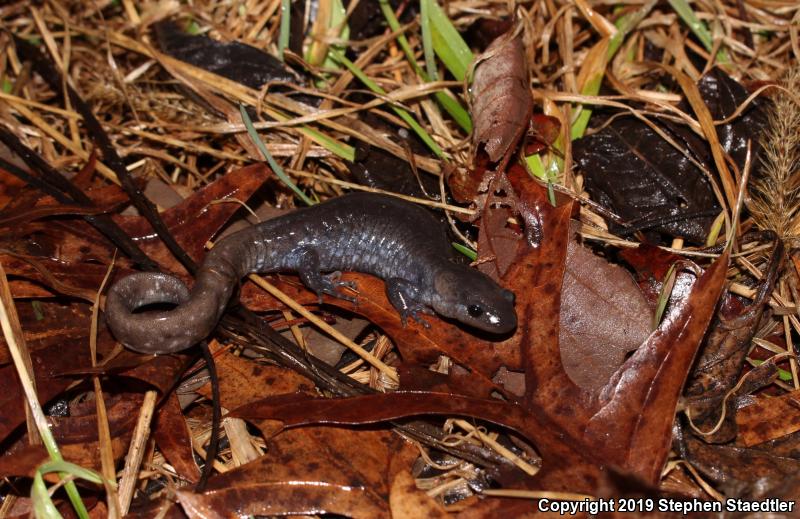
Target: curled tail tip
<point>151,332</point>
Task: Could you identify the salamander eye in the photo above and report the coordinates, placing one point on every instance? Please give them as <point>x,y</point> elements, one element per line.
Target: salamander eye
<point>475,310</point>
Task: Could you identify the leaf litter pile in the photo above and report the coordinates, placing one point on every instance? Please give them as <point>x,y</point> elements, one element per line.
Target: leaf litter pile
<point>630,171</point>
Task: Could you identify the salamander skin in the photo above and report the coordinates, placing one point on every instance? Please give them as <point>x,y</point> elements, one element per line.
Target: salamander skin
<point>376,234</point>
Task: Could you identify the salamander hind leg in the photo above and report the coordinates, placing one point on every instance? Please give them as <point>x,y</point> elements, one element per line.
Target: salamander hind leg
<point>309,270</point>
<point>404,296</point>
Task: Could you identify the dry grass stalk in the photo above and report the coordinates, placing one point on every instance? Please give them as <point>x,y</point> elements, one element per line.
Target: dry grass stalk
<point>775,203</point>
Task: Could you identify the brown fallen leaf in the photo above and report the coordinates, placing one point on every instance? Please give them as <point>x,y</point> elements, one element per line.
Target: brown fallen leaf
<point>719,367</point>
<point>313,471</point>
<point>629,420</point>
<point>174,439</point>
<point>195,213</point>
<point>604,316</point>
<point>305,471</point>
<point>407,502</point>
<point>71,354</point>
<point>739,471</point>
<point>768,419</point>
<point>501,98</point>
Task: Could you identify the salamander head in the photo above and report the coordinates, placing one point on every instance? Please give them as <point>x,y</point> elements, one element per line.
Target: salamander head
<point>471,297</point>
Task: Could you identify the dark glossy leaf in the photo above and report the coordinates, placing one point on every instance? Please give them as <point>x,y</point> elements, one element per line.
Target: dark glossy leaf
<point>376,168</point>
<point>632,170</point>
<point>233,60</point>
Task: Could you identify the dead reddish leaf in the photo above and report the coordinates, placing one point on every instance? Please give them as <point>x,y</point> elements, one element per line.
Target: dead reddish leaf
<point>638,404</point>
<point>174,439</point>
<point>10,185</point>
<point>768,418</point>
<point>544,131</point>
<point>313,471</point>
<point>305,466</point>
<point>564,469</point>
<point>652,265</point>
<point>406,501</point>
<point>498,241</point>
<point>242,381</point>
<point>417,344</point>
<point>740,471</point>
<point>501,98</point>
<point>77,437</point>
<point>196,213</point>
<point>46,323</point>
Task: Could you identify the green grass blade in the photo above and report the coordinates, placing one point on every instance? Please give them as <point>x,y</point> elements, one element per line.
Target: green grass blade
<point>427,39</point>
<point>625,25</point>
<point>42,502</point>
<point>342,150</point>
<point>43,506</point>
<point>268,156</point>
<point>450,104</point>
<point>448,43</point>
<point>466,251</point>
<point>784,375</point>
<point>338,19</point>
<point>404,115</point>
<point>66,467</point>
<point>286,25</point>
<point>698,27</point>
<point>685,11</point>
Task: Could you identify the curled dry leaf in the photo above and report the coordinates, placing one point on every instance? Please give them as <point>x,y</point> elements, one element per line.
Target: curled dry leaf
<point>501,98</point>
<point>719,366</point>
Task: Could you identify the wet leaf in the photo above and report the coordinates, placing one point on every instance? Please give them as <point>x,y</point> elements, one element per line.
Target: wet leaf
<point>639,402</point>
<point>72,354</point>
<point>738,471</point>
<point>634,171</point>
<point>197,213</point>
<point>174,439</point>
<point>501,99</point>
<point>376,168</point>
<point>313,471</point>
<point>406,501</point>
<point>544,131</point>
<point>719,367</point>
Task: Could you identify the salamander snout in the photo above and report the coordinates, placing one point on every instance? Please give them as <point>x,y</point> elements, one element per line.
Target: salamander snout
<point>475,300</point>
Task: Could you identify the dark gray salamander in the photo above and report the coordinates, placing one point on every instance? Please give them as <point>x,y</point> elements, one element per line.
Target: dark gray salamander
<point>376,234</point>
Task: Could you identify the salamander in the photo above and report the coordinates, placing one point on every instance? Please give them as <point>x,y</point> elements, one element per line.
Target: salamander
<point>398,241</point>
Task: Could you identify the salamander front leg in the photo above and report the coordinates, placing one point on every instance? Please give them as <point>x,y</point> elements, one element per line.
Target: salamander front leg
<point>404,296</point>
<point>309,271</point>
